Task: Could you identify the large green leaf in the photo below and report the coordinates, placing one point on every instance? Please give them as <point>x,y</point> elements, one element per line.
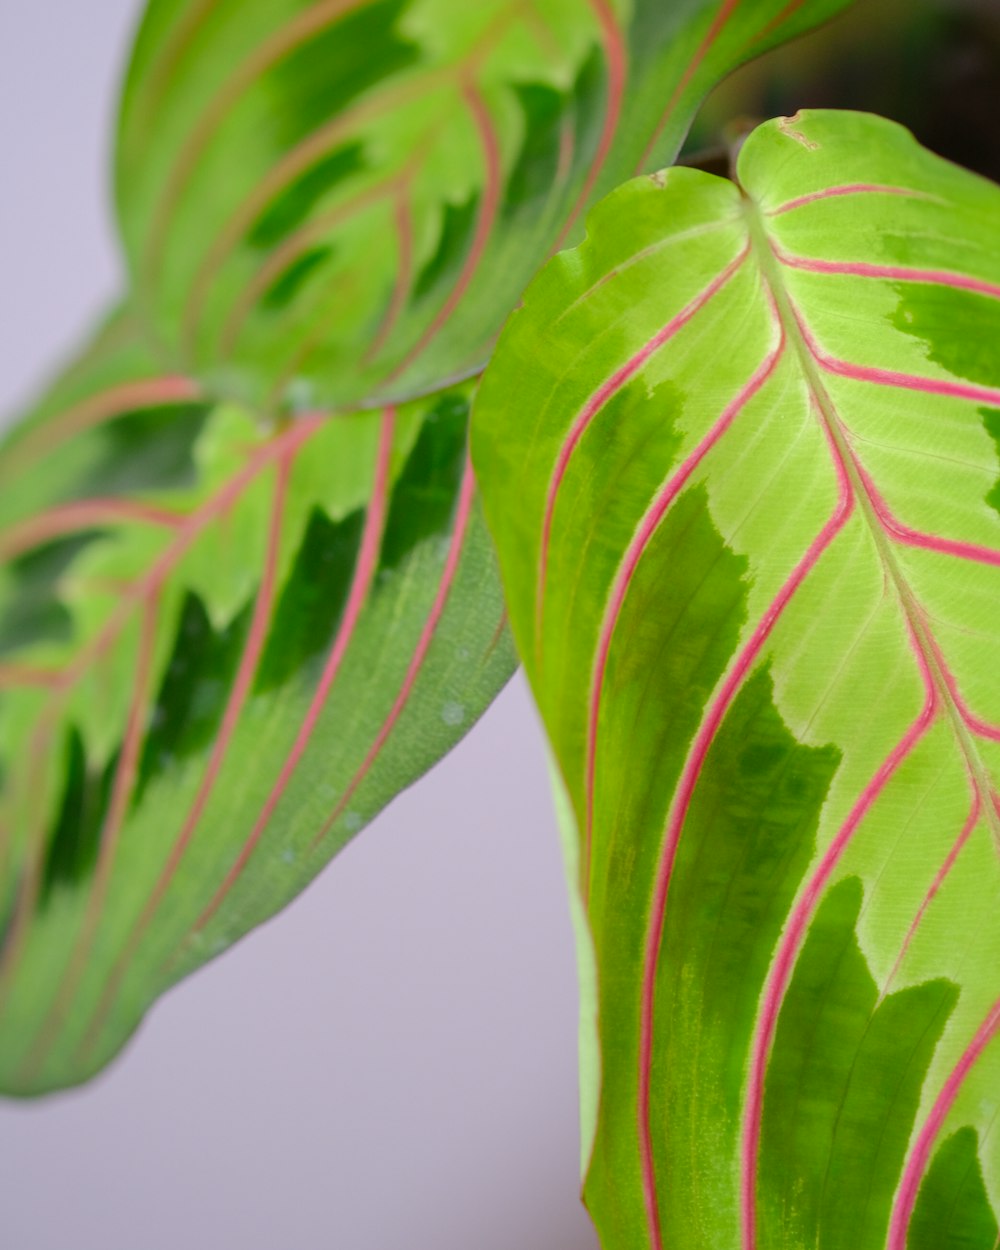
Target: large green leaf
<point>225,644</point>
<point>325,201</point>
<point>748,514</point>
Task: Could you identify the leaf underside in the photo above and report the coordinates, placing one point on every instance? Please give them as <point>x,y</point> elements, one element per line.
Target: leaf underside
<point>246,592</point>
<point>754,569</point>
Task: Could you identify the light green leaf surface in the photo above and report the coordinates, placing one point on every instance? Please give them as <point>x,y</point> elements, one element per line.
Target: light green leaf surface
<point>225,644</point>
<point>330,201</point>
<point>748,515</point>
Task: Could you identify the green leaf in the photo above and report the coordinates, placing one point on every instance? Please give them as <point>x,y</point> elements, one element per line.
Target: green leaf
<point>746,506</point>
<point>225,644</point>
<point>332,201</point>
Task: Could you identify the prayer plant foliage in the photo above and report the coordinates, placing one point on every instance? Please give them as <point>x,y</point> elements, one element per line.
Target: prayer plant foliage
<point>247,594</point>
<point>753,572</point>
<point>738,452</point>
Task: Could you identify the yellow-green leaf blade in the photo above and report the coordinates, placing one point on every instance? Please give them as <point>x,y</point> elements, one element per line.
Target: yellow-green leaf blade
<point>753,569</point>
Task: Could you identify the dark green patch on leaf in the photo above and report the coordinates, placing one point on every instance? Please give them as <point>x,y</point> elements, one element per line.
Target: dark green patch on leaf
<point>991,420</point>
<point>961,329</point>
<point>145,451</point>
<point>654,24</point>
<point>73,843</point>
<point>33,612</point>
<point>683,614</point>
<point>424,498</point>
<point>756,807</point>
<point>192,698</point>
<point>589,94</point>
<point>293,205</point>
<point>531,178</point>
<point>285,288</point>
<point>329,71</point>
<point>953,1210</point>
<point>312,601</point>
<point>756,811</point>
<point>458,225</point>
<point>843,1086</point>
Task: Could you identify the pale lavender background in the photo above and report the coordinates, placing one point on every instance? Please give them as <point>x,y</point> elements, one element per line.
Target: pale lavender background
<point>392,1063</point>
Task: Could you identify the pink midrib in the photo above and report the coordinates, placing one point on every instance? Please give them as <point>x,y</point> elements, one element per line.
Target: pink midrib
<point>364,572</point>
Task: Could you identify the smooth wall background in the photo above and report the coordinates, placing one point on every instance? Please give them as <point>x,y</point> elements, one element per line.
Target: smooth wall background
<point>391,1063</point>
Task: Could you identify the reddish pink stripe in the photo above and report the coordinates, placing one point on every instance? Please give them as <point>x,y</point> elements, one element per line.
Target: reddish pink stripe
<point>946,546</point>
<point>12,675</point>
<point>916,538</point>
<point>279,262</point>
<point>364,571</point>
<point>920,1153</point>
<point>688,782</point>
<point>187,534</point>
<point>462,513</point>
<point>288,168</point>
<point>172,51</point>
<point>617,59</point>
<point>970,823</point>
<point>788,11</point>
<point>31,780</point>
<point>594,405</point>
<point>636,550</point>
<point>276,46</point>
<point>790,945</point>
<point>714,31</point>
<point>249,660</point>
<point>404,274</point>
<point>891,377</point>
<point>72,517</point>
<point>849,188</point>
<point>146,592</point>
<point>895,273</point>
<point>107,406</point>
<point>121,793</point>
<point>977,726</point>
<point>484,225</point>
